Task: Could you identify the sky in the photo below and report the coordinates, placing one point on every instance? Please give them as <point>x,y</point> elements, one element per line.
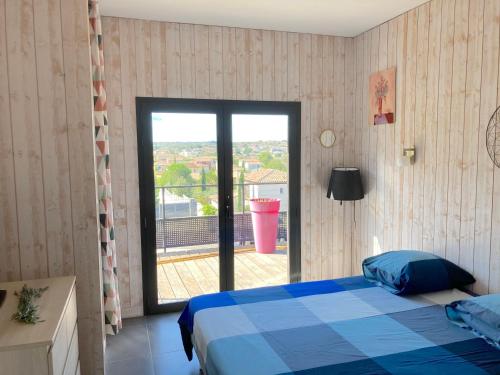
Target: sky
<point>200,127</point>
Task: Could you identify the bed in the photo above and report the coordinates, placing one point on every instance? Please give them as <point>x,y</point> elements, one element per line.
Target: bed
<point>342,326</point>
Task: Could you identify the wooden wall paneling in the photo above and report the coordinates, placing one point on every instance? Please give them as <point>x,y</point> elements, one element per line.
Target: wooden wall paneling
<point>457,130</point>
<point>229,62</point>
<point>26,139</point>
<point>409,124</point>
<point>317,179</point>
<point>381,147</point>
<point>390,157</point>
<point>349,152</point>
<point>53,136</point>
<point>399,133</point>
<point>365,141</point>
<point>358,149</point>
<point>373,241</point>
<point>112,60</point>
<point>143,63</point>
<point>494,280</point>
<point>129,90</point>
<point>326,162</point>
<point>255,63</point>
<point>158,59</point>
<point>419,125</point>
<point>10,268</point>
<point>268,69</point>
<point>81,142</point>
<point>305,65</point>
<point>188,63</point>
<point>173,60</point>
<point>242,64</point>
<point>280,65</point>
<point>215,48</point>
<point>202,61</point>
<point>443,139</point>
<point>431,125</point>
<point>483,240</point>
<point>471,135</point>
<point>293,67</point>
<point>338,247</point>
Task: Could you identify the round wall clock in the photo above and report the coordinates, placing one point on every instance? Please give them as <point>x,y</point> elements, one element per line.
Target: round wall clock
<point>327,138</point>
<point>493,137</point>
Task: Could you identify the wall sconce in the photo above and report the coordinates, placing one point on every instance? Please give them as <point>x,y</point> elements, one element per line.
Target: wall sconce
<point>345,185</point>
<point>408,157</point>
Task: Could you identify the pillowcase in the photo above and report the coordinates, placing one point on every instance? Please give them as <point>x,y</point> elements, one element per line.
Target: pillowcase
<point>412,272</point>
<point>480,314</point>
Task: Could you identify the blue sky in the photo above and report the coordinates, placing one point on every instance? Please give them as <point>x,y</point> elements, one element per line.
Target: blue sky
<point>197,127</point>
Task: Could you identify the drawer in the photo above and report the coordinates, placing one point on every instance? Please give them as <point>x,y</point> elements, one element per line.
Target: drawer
<point>59,351</point>
<point>71,365</point>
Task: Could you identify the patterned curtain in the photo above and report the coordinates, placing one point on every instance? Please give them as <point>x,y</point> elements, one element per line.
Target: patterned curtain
<point>112,313</point>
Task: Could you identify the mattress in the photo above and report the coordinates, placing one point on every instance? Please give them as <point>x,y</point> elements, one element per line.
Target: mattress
<point>342,326</point>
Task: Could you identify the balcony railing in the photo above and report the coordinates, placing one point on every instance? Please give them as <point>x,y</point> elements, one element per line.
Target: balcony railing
<point>181,226</point>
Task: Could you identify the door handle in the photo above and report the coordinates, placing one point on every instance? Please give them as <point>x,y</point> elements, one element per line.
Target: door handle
<point>229,213</point>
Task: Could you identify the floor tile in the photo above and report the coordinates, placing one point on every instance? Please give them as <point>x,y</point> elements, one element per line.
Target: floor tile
<point>135,366</point>
<point>142,320</point>
<point>164,334</point>
<point>175,363</point>
<point>131,342</point>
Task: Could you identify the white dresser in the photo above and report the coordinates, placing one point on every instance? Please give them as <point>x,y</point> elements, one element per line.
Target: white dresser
<point>48,347</point>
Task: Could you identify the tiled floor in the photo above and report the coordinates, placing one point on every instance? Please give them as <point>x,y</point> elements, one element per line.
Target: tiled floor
<point>147,346</point>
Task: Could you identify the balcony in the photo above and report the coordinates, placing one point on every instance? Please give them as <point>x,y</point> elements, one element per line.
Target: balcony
<point>187,236</point>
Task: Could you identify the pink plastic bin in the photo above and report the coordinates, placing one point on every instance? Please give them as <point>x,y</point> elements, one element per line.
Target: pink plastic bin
<point>265,223</point>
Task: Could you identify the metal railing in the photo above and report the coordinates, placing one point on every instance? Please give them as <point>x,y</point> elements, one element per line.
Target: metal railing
<point>179,225</point>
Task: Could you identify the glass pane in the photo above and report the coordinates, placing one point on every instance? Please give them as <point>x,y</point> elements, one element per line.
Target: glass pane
<point>260,171</point>
<point>186,194</point>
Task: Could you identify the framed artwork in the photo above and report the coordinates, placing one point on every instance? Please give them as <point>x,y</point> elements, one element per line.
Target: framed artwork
<point>382,96</point>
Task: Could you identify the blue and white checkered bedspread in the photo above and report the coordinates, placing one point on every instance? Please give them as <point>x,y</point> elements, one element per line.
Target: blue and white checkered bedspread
<point>343,326</point>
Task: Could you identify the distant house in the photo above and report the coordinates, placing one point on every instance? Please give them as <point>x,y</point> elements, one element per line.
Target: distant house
<point>268,183</point>
<point>250,165</point>
<point>169,205</point>
<point>206,162</point>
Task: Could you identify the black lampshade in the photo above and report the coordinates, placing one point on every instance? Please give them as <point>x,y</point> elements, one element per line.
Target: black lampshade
<point>345,185</point>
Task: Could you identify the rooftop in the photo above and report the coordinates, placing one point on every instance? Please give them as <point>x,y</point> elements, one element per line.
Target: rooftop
<point>265,175</point>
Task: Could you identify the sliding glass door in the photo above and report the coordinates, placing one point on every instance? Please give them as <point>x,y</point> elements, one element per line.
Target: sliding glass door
<point>205,168</point>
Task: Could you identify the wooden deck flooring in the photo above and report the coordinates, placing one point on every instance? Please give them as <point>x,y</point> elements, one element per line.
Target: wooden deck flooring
<point>180,280</point>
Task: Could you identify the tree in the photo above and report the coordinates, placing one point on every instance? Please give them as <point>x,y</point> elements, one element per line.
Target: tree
<point>265,157</point>
<point>241,192</point>
<point>211,177</point>
<point>276,164</point>
<point>268,161</point>
<point>177,174</point>
<point>203,180</point>
<point>208,210</point>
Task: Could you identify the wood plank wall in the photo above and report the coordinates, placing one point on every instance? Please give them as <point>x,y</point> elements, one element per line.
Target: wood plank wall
<point>48,212</point>
<point>446,53</point>
<point>146,58</point>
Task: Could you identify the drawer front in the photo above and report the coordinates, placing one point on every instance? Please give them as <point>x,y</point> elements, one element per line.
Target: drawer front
<point>59,351</point>
<point>72,360</point>
<point>32,361</point>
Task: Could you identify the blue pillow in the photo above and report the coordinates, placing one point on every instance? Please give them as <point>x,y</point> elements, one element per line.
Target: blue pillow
<point>412,272</point>
<point>480,314</point>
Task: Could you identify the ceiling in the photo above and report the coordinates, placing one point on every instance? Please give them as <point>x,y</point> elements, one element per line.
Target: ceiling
<point>329,17</point>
